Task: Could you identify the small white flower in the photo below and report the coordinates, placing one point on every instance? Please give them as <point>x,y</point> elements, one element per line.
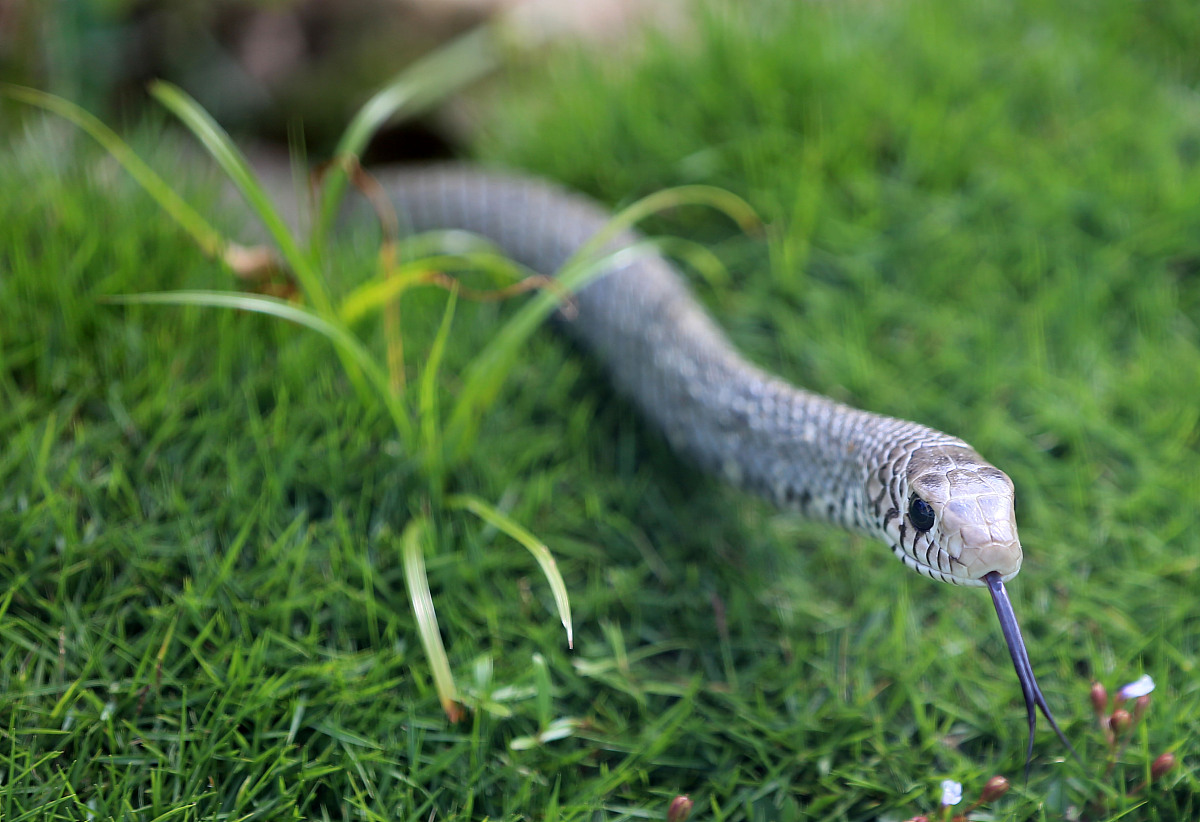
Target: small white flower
<point>951,792</point>
<point>1139,687</point>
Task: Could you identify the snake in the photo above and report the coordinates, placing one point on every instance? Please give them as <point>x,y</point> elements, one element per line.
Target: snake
<point>940,508</point>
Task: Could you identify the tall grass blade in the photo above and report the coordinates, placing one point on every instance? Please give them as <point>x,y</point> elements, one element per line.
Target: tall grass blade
<point>700,258</point>
<point>486,373</point>
<point>423,83</point>
<point>535,546</point>
<point>374,294</point>
<point>428,413</point>
<point>393,337</point>
<point>412,547</point>
<point>344,342</point>
<point>217,142</point>
<point>724,201</point>
<point>208,238</point>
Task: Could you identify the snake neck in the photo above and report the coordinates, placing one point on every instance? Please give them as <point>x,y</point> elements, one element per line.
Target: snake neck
<point>800,450</point>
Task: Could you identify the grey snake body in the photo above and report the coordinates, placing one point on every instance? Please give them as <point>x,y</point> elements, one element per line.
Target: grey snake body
<point>941,508</point>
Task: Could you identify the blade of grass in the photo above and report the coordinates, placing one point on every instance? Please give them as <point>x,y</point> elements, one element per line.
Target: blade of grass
<point>208,238</point>
<point>344,342</point>
<point>427,397</point>
<point>412,547</point>
<point>423,83</point>
<point>545,691</point>
<point>486,373</point>
<point>699,258</point>
<point>535,546</point>
<point>393,339</point>
<point>376,292</point>
<point>724,201</point>
<point>217,142</point>
<point>446,241</point>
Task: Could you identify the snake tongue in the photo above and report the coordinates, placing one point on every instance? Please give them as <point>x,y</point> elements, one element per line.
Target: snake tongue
<point>1020,658</point>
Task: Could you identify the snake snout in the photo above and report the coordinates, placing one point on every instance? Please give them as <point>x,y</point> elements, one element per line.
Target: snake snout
<point>980,525</point>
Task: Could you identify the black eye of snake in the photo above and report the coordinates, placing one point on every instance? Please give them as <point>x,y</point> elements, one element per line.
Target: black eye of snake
<point>920,513</point>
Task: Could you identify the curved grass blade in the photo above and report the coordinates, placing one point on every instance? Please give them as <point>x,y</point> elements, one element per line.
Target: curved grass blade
<point>534,545</point>
<point>724,201</point>
<point>412,548</point>
<point>347,345</point>
<point>453,241</point>
<point>208,238</point>
<point>374,294</point>
<point>486,373</point>
<point>216,141</point>
<point>697,257</point>
<point>427,398</point>
<point>423,83</point>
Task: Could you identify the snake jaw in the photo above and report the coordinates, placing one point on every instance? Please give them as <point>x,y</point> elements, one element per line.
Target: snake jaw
<point>942,574</point>
<point>1034,699</point>
<point>945,574</point>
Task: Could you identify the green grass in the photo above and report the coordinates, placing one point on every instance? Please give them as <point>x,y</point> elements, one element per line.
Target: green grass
<point>984,217</point>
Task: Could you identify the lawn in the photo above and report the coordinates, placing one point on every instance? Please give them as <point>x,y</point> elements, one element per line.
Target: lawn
<point>984,217</point>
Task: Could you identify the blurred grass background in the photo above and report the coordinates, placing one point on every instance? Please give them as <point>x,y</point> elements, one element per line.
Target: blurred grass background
<point>985,217</point>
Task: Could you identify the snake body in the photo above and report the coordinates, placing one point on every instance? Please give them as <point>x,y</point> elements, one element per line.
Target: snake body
<point>798,448</point>
<point>941,508</point>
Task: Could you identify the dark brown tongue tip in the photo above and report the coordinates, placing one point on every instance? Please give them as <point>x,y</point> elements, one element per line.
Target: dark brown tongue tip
<point>1020,658</point>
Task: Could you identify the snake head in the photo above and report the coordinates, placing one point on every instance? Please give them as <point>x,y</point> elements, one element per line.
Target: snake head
<point>953,517</point>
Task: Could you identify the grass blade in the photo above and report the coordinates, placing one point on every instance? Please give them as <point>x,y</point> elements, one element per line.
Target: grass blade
<point>412,547</point>
<point>347,345</point>
<point>486,373</point>
<point>724,201</point>
<point>697,257</point>
<point>374,294</point>
<point>427,397</point>
<point>217,142</point>
<point>208,238</point>
<point>428,80</point>
<point>534,545</point>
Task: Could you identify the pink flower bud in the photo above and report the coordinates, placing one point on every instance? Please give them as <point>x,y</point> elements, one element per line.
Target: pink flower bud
<point>1099,698</point>
<point>680,809</point>
<point>1164,763</point>
<point>1120,721</point>
<point>995,788</point>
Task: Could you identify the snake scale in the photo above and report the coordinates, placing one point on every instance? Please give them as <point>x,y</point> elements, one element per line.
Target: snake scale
<point>942,509</point>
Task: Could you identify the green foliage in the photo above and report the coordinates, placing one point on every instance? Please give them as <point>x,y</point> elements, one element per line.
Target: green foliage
<point>982,216</point>
<point>323,318</point>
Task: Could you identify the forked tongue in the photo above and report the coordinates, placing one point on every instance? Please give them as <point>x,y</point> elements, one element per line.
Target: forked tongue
<point>1020,658</point>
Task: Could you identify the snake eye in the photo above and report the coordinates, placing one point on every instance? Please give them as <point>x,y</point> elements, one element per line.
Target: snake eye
<point>920,513</point>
